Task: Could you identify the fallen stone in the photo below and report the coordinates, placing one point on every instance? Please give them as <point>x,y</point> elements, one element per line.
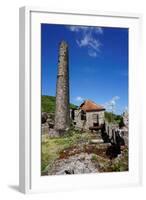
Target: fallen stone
<point>96,141</point>
<point>53,133</point>
<point>104,145</point>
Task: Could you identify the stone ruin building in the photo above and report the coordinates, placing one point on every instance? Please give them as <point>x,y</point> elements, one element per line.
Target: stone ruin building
<point>89,115</point>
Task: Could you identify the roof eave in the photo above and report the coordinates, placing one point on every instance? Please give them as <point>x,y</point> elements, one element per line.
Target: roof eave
<point>95,110</point>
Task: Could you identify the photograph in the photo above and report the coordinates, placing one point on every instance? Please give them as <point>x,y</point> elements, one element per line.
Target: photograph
<point>84,99</point>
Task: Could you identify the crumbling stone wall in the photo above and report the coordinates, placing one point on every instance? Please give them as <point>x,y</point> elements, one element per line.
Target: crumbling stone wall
<point>91,118</point>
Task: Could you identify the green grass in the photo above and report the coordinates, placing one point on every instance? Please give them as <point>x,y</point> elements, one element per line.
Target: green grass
<point>113,118</point>
<point>94,157</point>
<point>48,104</point>
<point>51,147</point>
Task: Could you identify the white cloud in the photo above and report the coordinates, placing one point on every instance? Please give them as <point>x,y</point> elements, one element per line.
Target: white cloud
<point>80,28</point>
<point>111,104</point>
<point>83,41</point>
<point>99,30</point>
<point>87,38</point>
<point>79,99</point>
<point>89,42</point>
<point>74,28</point>
<point>126,109</point>
<point>92,53</point>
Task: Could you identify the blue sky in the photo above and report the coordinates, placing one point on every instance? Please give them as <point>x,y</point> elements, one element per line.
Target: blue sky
<point>98,63</point>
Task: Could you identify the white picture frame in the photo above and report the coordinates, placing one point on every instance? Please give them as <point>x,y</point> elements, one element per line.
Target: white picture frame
<point>30,178</point>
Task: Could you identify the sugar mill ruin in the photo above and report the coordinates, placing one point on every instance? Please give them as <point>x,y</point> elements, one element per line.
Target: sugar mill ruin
<point>88,117</point>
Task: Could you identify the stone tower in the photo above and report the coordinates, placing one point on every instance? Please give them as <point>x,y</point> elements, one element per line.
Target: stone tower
<point>62,116</point>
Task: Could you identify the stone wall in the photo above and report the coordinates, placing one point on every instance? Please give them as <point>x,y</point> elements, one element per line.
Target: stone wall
<point>47,122</point>
<point>95,117</point>
<point>77,120</point>
<point>91,118</point>
<point>126,118</point>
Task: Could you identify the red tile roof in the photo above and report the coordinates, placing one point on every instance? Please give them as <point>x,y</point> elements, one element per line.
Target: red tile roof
<point>89,106</point>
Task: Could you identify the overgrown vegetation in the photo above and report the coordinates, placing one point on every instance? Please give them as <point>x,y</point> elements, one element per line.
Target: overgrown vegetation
<point>75,142</point>
<point>113,118</point>
<point>51,147</point>
<point>94,157</point>
<point>120,164</point>
<point>48,104</point>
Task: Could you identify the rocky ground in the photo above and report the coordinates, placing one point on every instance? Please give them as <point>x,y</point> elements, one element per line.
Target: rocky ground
<point>79,153</point>
<point>77,164</point>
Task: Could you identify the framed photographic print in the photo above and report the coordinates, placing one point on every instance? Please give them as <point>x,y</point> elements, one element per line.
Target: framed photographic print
<point>79,100</point>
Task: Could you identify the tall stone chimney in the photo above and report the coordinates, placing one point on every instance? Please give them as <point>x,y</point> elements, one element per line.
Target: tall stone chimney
<point>62,117</point>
